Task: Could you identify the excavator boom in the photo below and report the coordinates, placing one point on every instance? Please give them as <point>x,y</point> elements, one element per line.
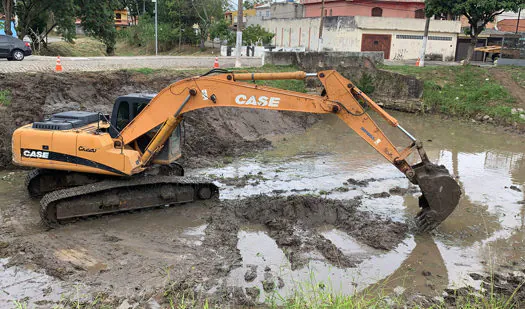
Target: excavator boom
<point>220,88</point>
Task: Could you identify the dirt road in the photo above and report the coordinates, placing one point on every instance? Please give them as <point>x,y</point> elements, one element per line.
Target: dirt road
<point>76,64</point>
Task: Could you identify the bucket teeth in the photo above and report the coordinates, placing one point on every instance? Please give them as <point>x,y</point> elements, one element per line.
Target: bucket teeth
<point>440,197</point>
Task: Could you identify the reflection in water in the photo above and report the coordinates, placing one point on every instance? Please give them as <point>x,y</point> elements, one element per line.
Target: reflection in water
<point>486,228</point>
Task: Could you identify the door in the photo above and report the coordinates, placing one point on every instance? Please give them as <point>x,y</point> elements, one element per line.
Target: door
<point>4,46</point>
<point>377,42</point>
<point>462,50</point>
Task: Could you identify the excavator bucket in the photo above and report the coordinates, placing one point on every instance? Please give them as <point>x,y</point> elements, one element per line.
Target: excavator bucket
<point>440,197</point>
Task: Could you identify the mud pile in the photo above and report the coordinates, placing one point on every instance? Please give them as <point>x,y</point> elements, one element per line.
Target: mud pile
<point>209,133</point>
<point>293,222</point>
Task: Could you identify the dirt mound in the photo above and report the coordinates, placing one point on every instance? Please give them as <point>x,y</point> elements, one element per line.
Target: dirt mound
<point>292,221</point>
<point>209,133</point>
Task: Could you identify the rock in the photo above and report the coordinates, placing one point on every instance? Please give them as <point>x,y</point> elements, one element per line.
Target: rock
<point>125,305</point>
<point>399,290</point>
<point>426,273</point>
<point>476,276</point>
<point>251,273</point>
<point>515,188</point>
<point>380,195</point>
<point>3,244</point>
<point>268,283</point>
<point>514,111</point>
<point>267,269</point>
<point>486,118</point>
<point>153,304</point>
<point>280,283</point>
<point>522,116</point>
<point>253,293</point>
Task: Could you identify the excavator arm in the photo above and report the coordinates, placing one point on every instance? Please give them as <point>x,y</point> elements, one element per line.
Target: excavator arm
<point>441,192</point>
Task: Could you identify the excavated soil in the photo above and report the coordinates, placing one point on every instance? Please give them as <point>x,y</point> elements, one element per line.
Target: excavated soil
<point>165,263</point>
<point>209,133</point>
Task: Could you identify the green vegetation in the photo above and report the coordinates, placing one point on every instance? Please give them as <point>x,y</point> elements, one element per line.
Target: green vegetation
<point>256,35</point>
<point>5,97</point>
<point>81,47</point>
<point>464,91</point>
<point>145,71</point>
<point>366,84</point>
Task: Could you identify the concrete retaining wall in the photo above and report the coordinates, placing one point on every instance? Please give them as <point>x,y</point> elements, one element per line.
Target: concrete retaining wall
<point>392,90</point>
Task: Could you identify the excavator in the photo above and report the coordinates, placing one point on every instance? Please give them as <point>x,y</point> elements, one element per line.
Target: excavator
<point>88,163</point>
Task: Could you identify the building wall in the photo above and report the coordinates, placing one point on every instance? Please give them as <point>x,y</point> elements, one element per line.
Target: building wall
<point>510,25</point>
<point>346,34</point>
<point>465,23</point>
<point>286,10</point>
<point>362,8</point>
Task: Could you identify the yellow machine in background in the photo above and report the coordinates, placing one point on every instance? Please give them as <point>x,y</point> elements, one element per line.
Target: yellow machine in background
<point>88,164</point>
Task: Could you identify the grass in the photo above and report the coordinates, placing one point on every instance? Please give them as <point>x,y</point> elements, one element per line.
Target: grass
<point>5,97</point>
<point>287,84</point>
<point>465,91</point>
<point>82,47</point>
<point>123,49</point>
<point>145,71</point>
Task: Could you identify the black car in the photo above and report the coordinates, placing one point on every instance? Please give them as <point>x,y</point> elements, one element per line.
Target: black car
<point>13,48</point>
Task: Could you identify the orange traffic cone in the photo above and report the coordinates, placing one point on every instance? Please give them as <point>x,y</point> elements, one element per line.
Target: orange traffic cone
<point>216,63</point>
<point>417,62</point>
<point>58,67</point>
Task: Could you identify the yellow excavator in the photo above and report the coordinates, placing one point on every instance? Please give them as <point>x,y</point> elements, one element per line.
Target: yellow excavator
<point>90,164</point>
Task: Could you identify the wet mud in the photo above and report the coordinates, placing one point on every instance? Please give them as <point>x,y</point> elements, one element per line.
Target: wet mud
<point>301,197</point>
<point>293,222</point>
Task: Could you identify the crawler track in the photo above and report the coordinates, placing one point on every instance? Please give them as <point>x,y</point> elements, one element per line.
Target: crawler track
<point>111,196</point>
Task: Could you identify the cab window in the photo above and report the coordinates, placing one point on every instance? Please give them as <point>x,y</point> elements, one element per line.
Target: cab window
<point>122,115</point>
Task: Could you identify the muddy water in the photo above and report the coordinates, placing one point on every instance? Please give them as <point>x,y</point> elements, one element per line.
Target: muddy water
<point>485,233</point>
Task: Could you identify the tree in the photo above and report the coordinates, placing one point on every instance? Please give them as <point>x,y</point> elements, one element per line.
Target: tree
<point>98,20</point>
<point>250,4</point>
<point>256,35</point>
<point>37,18</point>
<point>7,6</point>
<point>207,11</point>
<point>478,12</point>
<point>221,29</point>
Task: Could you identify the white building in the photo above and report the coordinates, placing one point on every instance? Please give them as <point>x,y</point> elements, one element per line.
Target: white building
<point>398,38</point>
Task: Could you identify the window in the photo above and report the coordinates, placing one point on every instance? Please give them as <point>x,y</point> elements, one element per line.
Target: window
<point>330,12</point>
<point>118,16</point>
<point>325,12</point>
<point>420,14</point>
<point>377,12</point>
<point>122,115</point>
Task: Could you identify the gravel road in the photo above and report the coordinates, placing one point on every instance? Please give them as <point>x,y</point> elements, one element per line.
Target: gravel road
<point>71,64</point>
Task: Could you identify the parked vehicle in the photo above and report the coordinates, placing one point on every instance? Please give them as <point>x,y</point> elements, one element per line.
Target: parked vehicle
<point>13,48</point>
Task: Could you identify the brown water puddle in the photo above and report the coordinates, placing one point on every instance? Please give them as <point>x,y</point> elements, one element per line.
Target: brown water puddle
<point>483,234</point>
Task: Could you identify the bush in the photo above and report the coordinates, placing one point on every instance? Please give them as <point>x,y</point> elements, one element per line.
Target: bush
<point>143,35</point>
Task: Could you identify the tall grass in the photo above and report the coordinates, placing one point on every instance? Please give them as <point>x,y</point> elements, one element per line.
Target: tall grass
<point>464,91</point>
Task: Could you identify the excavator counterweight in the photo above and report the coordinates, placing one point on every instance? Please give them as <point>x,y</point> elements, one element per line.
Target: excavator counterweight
<point>90,165</point>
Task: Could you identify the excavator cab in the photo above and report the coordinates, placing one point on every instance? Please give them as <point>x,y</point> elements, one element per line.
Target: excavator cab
<point>125,109</point>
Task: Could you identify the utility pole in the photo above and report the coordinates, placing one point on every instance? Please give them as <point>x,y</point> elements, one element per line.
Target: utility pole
<point>320,43</point>
<point>518,23</point>
<point>156,31</point>
<point>238,43</point>
<point>424,47</point>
